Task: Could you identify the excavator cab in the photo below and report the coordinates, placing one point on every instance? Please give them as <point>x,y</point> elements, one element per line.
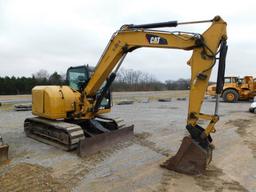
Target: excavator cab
<point>77,79</point>
<point>103,131</point>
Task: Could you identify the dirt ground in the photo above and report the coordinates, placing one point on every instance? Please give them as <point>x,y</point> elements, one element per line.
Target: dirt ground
<point>134,165</point>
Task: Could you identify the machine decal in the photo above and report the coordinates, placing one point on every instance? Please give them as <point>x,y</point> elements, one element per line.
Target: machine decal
<point>154,39</point>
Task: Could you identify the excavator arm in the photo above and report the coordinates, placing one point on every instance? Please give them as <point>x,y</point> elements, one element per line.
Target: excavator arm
<point>195,152</point>
<point>131,37</point>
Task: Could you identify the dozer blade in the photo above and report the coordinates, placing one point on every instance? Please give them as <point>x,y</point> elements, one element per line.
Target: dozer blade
<point>91,145</point>
<point>190,159</point>
<point>3,152</point>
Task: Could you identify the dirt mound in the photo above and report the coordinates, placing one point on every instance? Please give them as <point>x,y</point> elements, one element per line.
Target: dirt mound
<point>29,177</point>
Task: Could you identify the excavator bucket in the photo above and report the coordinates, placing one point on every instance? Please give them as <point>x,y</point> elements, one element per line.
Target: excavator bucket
<point>3,152</point>
<point>190,159</point>
<point>90,145</point>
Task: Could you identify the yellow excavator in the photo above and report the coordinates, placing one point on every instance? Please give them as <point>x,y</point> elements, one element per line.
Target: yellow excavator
<point>72,116</point>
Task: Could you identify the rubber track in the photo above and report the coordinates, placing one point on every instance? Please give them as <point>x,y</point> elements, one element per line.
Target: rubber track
<point>58,133</point>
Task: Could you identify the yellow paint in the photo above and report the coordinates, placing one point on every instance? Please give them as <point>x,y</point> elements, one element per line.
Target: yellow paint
<point>53,102</point>
<point>245,88</point>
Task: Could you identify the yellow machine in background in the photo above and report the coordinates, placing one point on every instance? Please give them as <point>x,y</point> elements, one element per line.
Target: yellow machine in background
<point>235,89</point>
<point>72,116</point>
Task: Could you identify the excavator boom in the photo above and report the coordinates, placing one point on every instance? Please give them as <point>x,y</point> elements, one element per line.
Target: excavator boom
<point>196,150</point>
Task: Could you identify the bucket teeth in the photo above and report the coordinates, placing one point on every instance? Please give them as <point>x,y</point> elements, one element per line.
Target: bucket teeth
<point>190,159</point>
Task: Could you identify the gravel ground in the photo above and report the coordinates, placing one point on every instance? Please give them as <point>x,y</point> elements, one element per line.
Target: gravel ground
<point>134,165</point>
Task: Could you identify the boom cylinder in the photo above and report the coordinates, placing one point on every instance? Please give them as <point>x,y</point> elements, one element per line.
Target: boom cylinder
<point>155,25</point>
<point>168,24</point>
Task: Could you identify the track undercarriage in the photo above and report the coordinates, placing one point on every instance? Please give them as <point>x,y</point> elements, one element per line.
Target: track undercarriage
<point>87,136</point>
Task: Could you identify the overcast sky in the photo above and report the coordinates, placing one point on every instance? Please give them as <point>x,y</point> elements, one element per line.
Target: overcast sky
<point>56,34</point>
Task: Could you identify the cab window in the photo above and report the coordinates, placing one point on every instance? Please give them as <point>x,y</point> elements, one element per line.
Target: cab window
<point>77,77</point>
<point>227,80</point>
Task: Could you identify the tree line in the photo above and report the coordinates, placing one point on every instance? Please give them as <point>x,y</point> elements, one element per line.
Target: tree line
<point>126,80</point>
<point>23,85</point>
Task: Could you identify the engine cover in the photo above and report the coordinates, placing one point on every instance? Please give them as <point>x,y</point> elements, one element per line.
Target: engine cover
<point>53,102</point>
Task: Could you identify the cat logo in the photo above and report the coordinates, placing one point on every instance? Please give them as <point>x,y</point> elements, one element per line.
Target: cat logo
<point>154,39</point>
